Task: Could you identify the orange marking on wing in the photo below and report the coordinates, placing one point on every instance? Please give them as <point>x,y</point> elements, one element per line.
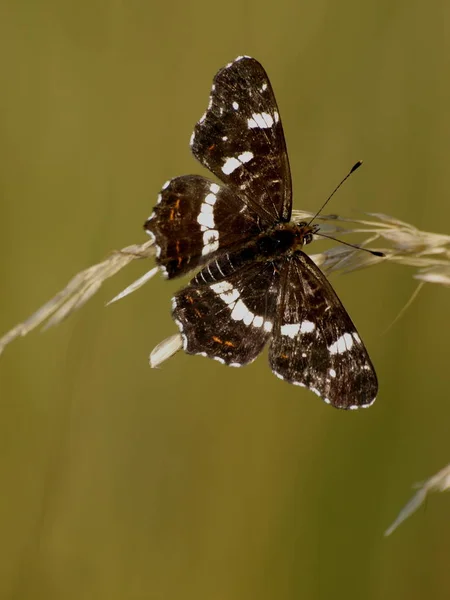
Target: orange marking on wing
<point>174,209</point>
<point>216,339</point>
<point>190,299</point>
<point>228,343</point>
<point>198,313</point>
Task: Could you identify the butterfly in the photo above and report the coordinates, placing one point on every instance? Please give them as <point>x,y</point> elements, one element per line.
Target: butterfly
<point>255,285</point>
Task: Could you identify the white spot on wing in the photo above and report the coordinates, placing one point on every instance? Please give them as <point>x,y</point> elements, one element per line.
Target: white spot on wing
<point>245,157</point>
<point>206,219</point>
<point>214,188</point>
<point>332,373</point>
<point>207,224</point>
<point>258,321</point>
<point>222,286</point>
<point>230,297</point>
<point>260,120</point>
<point>166,184</point>
<point>307,327</point>
<point>232,163</point>
<point>206,206</point>
<point>370,403</point>
<point>179,324</point>
<point>341,345</point>
<point>235,105</point>
<point>290,329</point>
<point>299,383</point>
<point>248,318</point>
<point>268,326</point>
<point>210,241</point>
<point>293,329</point>
<point>239,311</point>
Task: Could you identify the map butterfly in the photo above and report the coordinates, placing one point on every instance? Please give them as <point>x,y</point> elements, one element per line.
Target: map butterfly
<point>255,285</point>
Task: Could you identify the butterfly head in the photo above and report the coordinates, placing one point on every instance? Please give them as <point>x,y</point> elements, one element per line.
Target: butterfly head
<point>305,233</point>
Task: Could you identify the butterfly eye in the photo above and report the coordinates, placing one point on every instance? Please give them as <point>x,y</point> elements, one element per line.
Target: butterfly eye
<point>308,238</point>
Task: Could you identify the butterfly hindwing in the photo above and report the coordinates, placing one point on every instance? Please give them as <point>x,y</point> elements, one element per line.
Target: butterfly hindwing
<point>315,343</point>
<point>193,218</point>
<point>230,319</point>
<point>240,139</point>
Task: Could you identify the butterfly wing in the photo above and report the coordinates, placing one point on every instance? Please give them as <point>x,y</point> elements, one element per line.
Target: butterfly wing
<point>315,343</point>
<point>195,219</point>
<point>229,320</point>
<point>240,139</point>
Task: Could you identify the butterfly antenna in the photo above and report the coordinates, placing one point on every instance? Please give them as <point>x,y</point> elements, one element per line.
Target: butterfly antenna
<point>355,246</point>
<point>352,170</point>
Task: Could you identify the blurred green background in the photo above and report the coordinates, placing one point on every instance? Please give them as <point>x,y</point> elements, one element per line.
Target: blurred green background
<point>196,481</point>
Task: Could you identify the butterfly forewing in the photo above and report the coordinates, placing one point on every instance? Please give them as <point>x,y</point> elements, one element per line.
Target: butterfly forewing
<point>193,218</point>
<point>229,319</point>
<point>240,139</point>
<point>315,343</point>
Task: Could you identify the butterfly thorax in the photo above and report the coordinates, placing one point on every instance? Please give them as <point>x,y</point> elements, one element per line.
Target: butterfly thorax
<point>279,241</point>
<point>282,239</point>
